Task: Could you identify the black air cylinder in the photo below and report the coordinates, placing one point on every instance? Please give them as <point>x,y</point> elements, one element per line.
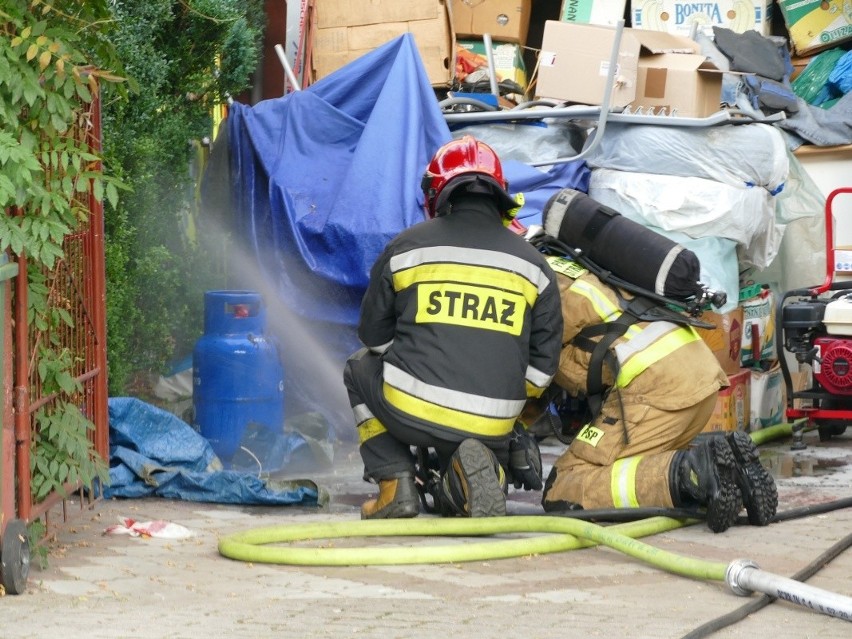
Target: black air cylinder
<point>632,252</point>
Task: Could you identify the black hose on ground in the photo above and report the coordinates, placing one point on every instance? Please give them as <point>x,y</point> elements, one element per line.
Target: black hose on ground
<point>633,514</point>
<point>613,515</point>
<point>806,511</point>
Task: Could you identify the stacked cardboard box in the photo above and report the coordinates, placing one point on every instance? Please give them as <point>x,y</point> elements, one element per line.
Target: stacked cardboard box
<point>733,406</point>
<point>506,22</point>
<point>681,18</point>
<point>743,341</point>
<point>656,70</point>
<point>760,356</point>
<point>347,29</point>
<point>503,20</point>
<point>815,25</point>
<point>606,12</point>
<point>508,59</point>
<point>725,340</point>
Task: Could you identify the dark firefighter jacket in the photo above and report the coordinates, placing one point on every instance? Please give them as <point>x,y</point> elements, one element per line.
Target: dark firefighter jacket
<point>468,319</point>
<point>660,363</point>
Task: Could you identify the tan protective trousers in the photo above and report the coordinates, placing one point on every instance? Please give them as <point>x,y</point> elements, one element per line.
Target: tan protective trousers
<point>602,469</point>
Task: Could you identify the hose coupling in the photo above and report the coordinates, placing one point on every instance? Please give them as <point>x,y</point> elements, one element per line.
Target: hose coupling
<point>734,572</point>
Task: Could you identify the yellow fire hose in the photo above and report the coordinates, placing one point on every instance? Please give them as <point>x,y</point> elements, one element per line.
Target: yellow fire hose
<point>567,534</point>
<point>559,534</point>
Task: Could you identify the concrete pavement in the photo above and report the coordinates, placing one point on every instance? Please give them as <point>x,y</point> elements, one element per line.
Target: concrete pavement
<point>98,585</point>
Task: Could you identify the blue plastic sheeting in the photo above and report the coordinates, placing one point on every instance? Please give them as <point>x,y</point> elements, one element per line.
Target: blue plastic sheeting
<point>153,453</point>
<point>321,179</point>
<point>539,185</point>
<point>324,177</point>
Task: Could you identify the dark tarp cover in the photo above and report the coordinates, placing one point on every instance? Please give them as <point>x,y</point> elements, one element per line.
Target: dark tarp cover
<point>320,180</point>
<point>153,453</point>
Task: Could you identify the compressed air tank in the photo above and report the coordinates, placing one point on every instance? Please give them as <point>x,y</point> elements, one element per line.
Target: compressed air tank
<point>238,379</point>
<point>630,251</point>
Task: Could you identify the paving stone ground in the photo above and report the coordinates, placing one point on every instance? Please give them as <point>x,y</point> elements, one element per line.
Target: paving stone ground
<point>98,585</point>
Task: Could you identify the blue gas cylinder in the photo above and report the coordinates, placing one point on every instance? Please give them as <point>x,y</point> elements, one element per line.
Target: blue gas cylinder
<point>238,379</point>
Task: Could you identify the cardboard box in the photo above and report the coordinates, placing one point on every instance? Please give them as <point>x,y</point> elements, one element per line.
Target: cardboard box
<point>726,339</point>
<point>607,12</point>
<point>355,13</point>
<point>732,410</point>
<point>508,59</point>
<point>655,70</point>
<point>348,29</point>
<point>680,17</point>
<point>768,403</point>
<point>758,329</point>
<point>814,25</point>
<point>801,380</point>
<point>503,20</point>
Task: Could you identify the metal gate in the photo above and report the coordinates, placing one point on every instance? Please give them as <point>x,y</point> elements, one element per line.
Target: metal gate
<point>77,284</point>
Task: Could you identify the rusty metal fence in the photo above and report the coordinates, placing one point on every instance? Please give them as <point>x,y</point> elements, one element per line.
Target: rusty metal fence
<point>77,285</point>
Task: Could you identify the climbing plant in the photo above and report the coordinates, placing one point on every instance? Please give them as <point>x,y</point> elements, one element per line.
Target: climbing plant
<point>47,79</point>
<point>159,66</point>
<point>187,57</point>
<point>54,57</point>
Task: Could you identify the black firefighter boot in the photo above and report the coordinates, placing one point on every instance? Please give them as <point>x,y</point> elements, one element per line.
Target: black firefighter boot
<point>474,484</point>
<point>398,499</point>
<point>704,475</point>
<point>760,495</point>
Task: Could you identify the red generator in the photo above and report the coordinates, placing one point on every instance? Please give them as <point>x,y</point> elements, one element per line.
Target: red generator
<point>815,326</point>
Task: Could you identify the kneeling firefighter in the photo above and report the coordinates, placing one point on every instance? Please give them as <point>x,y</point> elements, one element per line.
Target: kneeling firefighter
<point>651,383</point>
<point>462,325</point>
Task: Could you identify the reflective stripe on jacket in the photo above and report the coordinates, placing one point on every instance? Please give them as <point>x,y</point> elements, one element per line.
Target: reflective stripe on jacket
<point>469,318</point>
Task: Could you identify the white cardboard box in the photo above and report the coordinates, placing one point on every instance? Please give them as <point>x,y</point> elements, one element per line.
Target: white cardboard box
<point>679,17</point>
<point>607,12</point>
<point>767,403</point>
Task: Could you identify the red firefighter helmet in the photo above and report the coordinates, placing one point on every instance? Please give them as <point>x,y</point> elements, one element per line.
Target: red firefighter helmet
<point>465,161</point>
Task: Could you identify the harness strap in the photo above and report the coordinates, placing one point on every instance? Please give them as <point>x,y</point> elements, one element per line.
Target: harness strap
<point>601,355</point>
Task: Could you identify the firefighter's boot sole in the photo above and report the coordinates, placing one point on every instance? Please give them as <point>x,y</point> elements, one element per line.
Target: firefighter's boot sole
<point>723,498</point>
<point>760,495</point>
<point>480,480</point>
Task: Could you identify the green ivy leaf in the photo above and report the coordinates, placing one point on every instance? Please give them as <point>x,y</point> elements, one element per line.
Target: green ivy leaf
<point>16,243</point>
<point>51,252</point>
<point>67,383</point>
<point>83,92</point>
<point>58,123</point>
<point>98,189</point>
<point>66,317</point>
<point>7,191</point>
<point>112,194</point>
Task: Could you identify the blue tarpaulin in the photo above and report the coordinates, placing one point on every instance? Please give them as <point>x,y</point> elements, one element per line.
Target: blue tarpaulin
<point>324,177</point>
<point>153,453</point>
<point>321,179</point>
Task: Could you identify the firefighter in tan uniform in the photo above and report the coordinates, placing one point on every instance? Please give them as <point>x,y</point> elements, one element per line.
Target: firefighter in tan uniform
<point>659,382</point>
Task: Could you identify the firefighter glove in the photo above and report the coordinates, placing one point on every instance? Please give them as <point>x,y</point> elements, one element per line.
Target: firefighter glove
<point>524,459</point>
